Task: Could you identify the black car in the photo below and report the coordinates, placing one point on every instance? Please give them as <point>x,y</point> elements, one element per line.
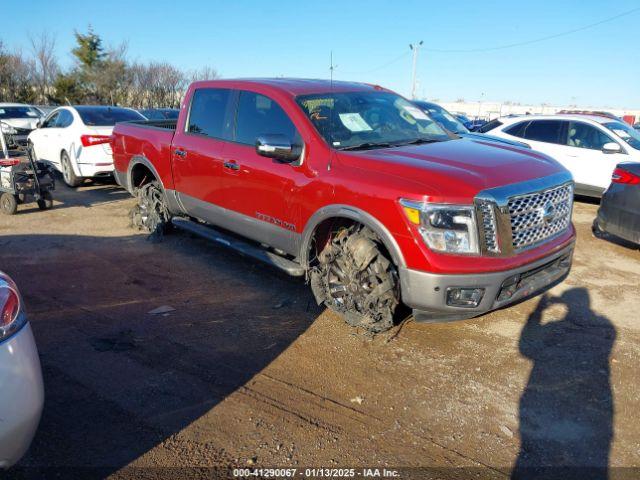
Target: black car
<point>619,212</point>
<point>160,113</point>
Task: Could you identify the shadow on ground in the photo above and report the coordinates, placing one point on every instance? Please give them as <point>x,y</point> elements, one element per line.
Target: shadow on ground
<point>120,381</point>
<point>566,410</point>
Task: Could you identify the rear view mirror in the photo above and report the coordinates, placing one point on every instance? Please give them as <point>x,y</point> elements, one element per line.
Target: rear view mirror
<point>277,146</point>
<point>611,147</point>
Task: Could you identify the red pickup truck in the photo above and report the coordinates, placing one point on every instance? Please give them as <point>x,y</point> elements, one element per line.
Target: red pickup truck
<point>358,190</point>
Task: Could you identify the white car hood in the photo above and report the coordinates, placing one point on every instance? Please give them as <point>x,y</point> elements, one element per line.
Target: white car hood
<point>28,123</point>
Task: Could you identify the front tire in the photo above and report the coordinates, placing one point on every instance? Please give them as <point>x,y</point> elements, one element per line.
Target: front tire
<point>355,278</point>
<point>8,203</point>
<point>68,175</point>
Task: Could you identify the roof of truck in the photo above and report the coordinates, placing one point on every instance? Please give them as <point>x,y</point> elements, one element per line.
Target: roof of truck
<point>294,86</point>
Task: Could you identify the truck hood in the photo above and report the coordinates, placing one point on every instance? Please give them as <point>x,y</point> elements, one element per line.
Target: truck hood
<point>455,168</point>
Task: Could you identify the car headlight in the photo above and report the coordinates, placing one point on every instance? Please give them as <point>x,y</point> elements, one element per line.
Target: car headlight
<point>444,228</point>
<point>7,129</point>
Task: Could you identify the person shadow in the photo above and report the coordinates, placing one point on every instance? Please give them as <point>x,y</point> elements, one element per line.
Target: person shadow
<point>566,409</point>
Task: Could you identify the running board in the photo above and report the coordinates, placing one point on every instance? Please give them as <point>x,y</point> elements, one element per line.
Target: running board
<point>288,266</point>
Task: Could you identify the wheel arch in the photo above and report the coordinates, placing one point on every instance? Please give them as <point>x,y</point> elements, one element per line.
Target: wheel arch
<point>140,164</point>
<point>351,213</point>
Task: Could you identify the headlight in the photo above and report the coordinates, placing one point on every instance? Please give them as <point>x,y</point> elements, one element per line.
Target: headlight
<point>8,129</point>
<point>444,228</point>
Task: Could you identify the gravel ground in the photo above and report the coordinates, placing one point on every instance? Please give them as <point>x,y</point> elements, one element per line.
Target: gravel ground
<point>246,370</point>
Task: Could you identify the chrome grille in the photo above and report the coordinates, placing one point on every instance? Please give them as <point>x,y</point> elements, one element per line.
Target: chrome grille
<point>538,216</point>
<point>489,227</point>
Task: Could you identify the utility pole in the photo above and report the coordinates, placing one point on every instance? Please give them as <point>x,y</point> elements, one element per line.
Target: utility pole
<point>415,47</point>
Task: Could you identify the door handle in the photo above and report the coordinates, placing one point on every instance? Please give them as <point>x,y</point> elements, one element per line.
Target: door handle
<point>232,165</point>
<point>180,153</point>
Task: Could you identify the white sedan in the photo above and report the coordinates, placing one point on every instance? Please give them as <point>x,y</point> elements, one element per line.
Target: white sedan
<point>75,140</point>
<point>588,145</point>
<point>21,388</point>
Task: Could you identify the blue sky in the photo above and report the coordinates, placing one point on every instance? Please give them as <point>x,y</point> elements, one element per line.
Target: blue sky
<point>598,66</point>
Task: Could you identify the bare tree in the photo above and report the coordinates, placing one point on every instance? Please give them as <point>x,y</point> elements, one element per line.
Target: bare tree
<point>16,79</point>
<point>45,65</point>
<point>204,73</point>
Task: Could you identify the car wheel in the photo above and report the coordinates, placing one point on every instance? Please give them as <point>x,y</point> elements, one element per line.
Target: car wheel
<point>355,278</point>
<point>597,230</point>
<point>151,213</point>
<point>8,203</point>
<point>46,202</point>
<point>68,175</point>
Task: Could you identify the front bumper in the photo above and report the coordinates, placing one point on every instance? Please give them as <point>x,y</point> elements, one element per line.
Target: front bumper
<point>426,293</point>
<point>21,395</point>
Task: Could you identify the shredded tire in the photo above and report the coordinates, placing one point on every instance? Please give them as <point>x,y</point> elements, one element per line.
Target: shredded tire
<point>354,278</point>
<point>151,214</point>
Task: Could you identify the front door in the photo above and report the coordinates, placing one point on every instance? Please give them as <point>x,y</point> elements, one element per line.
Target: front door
<point>256,188</point>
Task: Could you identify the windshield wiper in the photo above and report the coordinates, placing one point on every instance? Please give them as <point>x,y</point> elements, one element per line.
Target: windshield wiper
<point>416,141</point>
<point>366,146</point>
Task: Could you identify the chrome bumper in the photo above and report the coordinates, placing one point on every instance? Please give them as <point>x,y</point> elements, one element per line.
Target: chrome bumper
<point>426,293</point>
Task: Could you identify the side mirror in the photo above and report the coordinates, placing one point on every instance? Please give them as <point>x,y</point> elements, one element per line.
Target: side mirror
<point>611,147</point>
<point>277,146</point>
<point>39,124</point>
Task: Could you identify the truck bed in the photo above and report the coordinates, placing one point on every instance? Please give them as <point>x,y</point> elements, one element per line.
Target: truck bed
<point>161,124</point>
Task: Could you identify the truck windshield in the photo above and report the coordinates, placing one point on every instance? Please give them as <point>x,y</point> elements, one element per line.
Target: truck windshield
<point>626,133</point>
<point>355,120</point>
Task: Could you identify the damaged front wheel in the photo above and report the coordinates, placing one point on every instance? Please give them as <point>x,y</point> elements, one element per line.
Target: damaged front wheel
<point>354,277</point>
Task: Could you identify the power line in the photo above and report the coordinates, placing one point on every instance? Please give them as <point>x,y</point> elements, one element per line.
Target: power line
<point>541,39</point>
<point>390,62</point>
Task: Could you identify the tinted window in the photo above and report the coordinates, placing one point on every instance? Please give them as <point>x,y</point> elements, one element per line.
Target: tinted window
<point>490,126</point>
<point>64,119</point>
<point>207,113</point>
<point>582,135</point>
<point>18,112</point>
<point>51,121</point>
<point>549,131</point>
<point>443,117</point>
<point>259,115</point>
<point>106,116</point>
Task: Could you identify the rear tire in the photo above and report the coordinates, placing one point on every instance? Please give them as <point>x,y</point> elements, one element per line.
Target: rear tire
<point>597,231</point>
<point>46,202</point>
<point>151,213</point>
<point>68,175</point>
<point>8,203</point>
<point>355,278</point>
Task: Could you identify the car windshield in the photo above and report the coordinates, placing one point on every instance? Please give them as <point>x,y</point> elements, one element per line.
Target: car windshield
<point>106,116</point>
<point>443,117</point>
<point>360,120</point>
<point>626,133</point>
<point>18,112</point>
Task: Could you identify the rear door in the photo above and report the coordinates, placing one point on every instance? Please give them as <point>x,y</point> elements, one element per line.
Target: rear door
<point>43,136</point>
<point>258,189</point>
<point>197,152</point>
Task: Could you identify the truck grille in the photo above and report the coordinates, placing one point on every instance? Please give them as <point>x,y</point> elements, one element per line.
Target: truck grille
<point>538,216</point>
<point>488,227</point>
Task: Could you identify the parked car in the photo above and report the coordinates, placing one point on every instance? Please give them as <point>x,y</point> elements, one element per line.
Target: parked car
<point>588,145</point>
<point>619,212</point>
<point>22,391</point>
<point>75,140</point>
<point>160,113</point>
<point>17,121</point>
<point>45,109</point>
<point>358,189</point>
<point>453,124</point>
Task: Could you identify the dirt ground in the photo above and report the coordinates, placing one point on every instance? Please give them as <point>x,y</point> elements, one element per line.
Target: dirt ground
<point>248,372</point>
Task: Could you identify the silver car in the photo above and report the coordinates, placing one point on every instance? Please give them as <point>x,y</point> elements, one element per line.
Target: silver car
<point>21,388</point>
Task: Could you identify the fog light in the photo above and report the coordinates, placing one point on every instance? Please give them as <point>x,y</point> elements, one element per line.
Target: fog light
<point>464,297</point>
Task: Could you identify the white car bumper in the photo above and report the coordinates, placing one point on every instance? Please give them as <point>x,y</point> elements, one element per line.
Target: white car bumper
<point>21,395</point>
